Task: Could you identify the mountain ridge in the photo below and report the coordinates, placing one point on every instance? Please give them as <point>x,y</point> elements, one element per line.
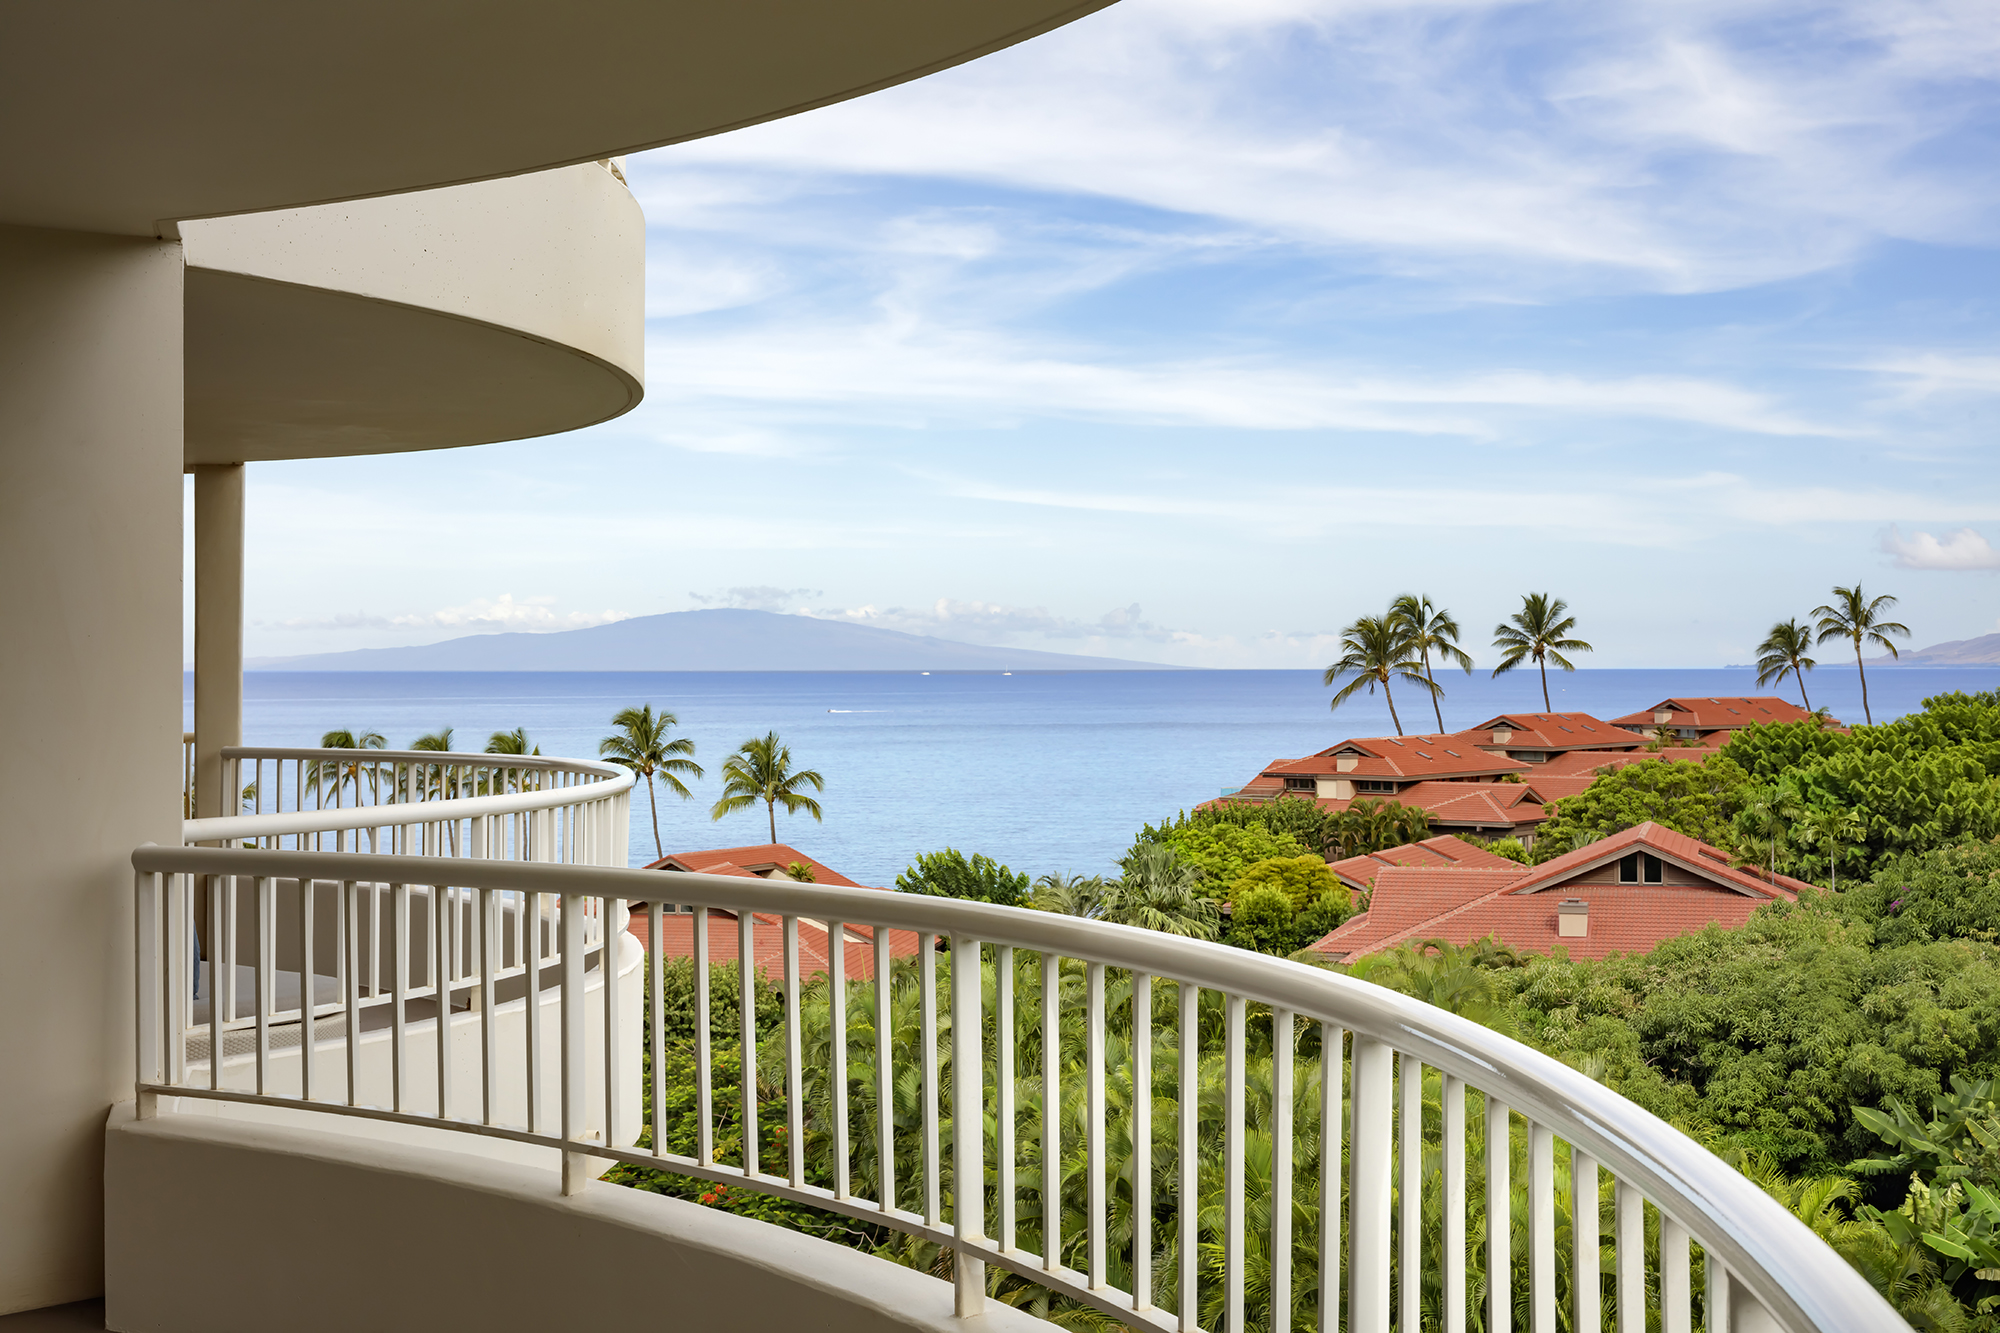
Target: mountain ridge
<point>720,639</point>
<point>1982,651</point>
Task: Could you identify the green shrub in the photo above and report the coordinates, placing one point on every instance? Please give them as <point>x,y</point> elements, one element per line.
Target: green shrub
<point>1261,920</point>
<point>952,874</point>
<point>1303,880</point>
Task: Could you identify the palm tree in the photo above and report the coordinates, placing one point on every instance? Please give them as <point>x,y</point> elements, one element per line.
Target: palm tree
<point>641,744</point>
<point>761,770</point>
<point>510,742</point>
<point>337,772</point>
<point>1834,830</point>
<point>1540,629</point>
<point>1159,891</point>
<point>1853,616</point>
<point>1071,895</point>
<point>1432,630</point>
<point>1375,650</point>
<point>1783,653</point>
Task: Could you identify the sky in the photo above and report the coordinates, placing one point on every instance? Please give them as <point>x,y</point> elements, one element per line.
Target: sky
<point>1195,329</point>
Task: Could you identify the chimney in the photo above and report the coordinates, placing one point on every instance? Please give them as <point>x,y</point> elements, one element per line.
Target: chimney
<point>1573,918</point>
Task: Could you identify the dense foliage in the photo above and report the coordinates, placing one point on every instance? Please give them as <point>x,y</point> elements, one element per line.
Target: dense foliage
<point>952,874</point>
<point>1696,799</point>
<point>1366,825</point>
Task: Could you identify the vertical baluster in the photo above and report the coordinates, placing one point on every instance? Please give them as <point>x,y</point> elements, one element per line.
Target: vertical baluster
<point>616,1131</point>
<point>885,1098</point>
<point>489,1054</point>
<point>1499,1218</point>
<point>1093,1123</point>
<point>1541,1229</point>
<point>399,925</point>
<point>704,1058</point>
<point>1369,1188</point>
<point>180,963</point>
<point>374,940</point>
<point>795,1092</point>
<point>1628,1222</point>
<point>1052,1164</point>
<point>1332,1066</point>
<point>529,938</point>
<point>1676,1292</point>
<point>575,1053</point>
<point>1142,1141</point>
<point>1003,1048</point>
<point>746,976</point>
<point>227,989</point>
<point>927,981</point>
<point>656,1025</point>
<point>1586,1223</point>
<point>1451,1256</point>
<point>440,969</point>
<point>1187,1204</point>
<point>1232,1164</point>
<point>836,1071</point>
<point>968,1125</point>
<point>145,989</point>
<point>1715,1310</point>
<point>1281,1171</point>
<point>350,942</point>
<point>265,890</point>
<point>308,990</point>
<point>1409,1192</point>
<point>214,982</point>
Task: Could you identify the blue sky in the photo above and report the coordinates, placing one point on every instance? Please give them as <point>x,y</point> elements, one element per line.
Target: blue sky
<point>1195,329</point>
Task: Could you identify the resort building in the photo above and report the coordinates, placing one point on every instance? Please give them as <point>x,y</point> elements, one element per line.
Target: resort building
<point>1623,894</point>
<point>1709,722</point>
<point>358,1057</point>
<point>1537,738</point>
<point>771,860</point>
<point>1440,853</point>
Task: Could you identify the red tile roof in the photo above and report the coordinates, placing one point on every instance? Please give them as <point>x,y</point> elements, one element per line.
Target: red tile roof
<point>1407,758</point>
<point>1552,731</point>
<point>758,860</point>
<point>767,939</point>
<point>1703,713</point>
<point>1478,804</point>
<point>1444,852</point>
<point>1454,905</point>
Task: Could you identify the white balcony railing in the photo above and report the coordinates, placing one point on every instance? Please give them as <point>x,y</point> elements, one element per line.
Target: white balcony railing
<point>1764,1270</point>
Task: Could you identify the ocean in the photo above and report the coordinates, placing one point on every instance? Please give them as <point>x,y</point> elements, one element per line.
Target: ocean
<point>1045,771</point>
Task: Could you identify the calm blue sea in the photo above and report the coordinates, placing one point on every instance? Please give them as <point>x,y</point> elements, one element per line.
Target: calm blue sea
<point>1044,771</point>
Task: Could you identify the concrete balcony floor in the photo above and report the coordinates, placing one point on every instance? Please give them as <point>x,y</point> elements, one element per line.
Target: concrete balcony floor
<point>55,1319</point>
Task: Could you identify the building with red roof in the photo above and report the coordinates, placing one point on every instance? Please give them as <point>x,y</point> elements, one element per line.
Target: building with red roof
<point>1441,853</point>
<point>1710,721</point>
<point>1622,894</point>
<point>725,929</point>
<point>1537,738</point>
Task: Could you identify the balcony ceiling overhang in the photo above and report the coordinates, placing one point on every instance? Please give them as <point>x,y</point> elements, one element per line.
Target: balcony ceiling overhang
<point>279,370</point>
<point>126,117</point>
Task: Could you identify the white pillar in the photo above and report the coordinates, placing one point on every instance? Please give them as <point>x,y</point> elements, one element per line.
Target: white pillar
<point>218,628</point>
<point>90,541</point>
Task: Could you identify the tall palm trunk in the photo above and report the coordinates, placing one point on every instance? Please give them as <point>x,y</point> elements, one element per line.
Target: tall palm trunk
<point>1387,693</point>
<point>771,809</point>
<point>1801,675</point>
<point>1432,680</point>
<point>1542,663</point>
<point>659,852</point>
<point>1862,667</point>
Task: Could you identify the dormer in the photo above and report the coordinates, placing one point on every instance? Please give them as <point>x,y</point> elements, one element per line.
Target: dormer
<point>1502,735</point>
<point>1346,761</point>
<point>1662,716</point>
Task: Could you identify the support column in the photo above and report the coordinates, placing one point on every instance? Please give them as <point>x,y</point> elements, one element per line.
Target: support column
<point>218,629</point>
<point>90,538</point>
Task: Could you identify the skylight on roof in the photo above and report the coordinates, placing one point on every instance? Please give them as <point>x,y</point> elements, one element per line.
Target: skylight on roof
<point>1454,754</point>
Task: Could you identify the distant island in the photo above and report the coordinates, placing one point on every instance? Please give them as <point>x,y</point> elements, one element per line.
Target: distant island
<point>1982,651</point>
<point>718,640</point>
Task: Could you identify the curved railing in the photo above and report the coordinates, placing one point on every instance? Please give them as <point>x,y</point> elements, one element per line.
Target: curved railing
<point>1763,1269</point>
<point>423,803</point>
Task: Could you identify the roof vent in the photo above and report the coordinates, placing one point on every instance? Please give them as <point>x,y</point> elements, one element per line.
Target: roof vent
<point>1572,918</point>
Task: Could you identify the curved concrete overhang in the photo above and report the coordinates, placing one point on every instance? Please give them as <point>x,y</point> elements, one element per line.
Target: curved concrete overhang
<point>125,116</point>
<point>465,315</point>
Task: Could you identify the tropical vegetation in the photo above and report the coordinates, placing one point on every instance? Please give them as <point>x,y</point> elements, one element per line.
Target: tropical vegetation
<point>1541,632</point>
<point>644,742</point>
<point>761,770</point>
<point>1860,619</point>
<point>1431,629</point>
<point>1378,650</point>
<point>1784,653</point>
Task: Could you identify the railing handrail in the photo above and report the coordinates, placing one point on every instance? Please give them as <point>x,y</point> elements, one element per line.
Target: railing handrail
<point>392,814</point>
<point>456,758</point>
<point>1799,1280</point>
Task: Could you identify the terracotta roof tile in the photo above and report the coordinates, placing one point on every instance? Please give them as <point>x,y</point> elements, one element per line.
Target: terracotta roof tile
<point>1708,713</point>
<point>758,859</point>
<point>1443,852</point>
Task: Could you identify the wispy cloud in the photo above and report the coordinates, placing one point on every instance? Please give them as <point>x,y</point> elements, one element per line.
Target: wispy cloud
<point>482,615</point>
<point>1961,550</point>
<point>992,622</point>
<point>762,597</point>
